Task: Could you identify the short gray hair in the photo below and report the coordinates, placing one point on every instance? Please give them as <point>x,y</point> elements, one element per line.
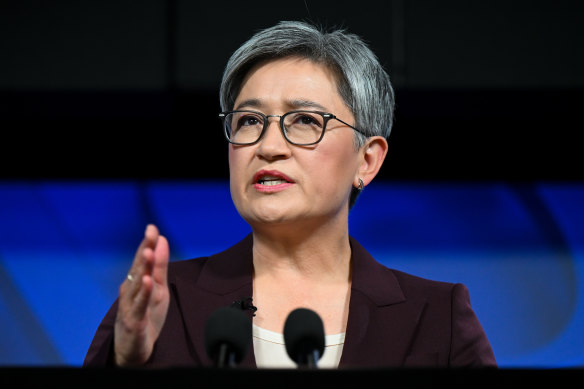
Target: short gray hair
<point>363,84</point>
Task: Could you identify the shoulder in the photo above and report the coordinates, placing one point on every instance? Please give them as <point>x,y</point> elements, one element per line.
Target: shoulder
<point>384,284</point>
<point>241,249</point>
<point>414,286</point>
<point>448,311</point>
<point>187,268</point>
<point>438,295</point>
<point>219,272</point>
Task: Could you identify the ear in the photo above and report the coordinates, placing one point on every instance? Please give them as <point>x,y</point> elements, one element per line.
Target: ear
<point>373,154</point>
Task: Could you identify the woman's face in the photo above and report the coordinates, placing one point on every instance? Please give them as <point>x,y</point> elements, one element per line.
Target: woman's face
<point>313,183</point>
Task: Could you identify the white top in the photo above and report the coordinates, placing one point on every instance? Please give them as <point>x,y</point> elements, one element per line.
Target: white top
<point>270,350</point>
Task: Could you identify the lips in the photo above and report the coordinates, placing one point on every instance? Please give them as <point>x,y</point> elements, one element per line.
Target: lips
<point>271,180</point>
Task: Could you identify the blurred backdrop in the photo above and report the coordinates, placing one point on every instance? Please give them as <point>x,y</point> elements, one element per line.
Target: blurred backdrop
<point>108,115</point>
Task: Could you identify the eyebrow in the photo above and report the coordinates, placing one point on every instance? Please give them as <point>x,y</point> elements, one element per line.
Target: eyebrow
<point>249,103</point>
<point>295,104</point>
<point>306,104</point>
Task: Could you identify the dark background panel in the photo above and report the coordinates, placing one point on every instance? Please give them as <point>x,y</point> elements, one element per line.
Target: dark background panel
<point>126,89</point>
<point>502,44</point>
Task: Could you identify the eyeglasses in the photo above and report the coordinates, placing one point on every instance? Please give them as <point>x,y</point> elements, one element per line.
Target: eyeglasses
<point>301,128</point>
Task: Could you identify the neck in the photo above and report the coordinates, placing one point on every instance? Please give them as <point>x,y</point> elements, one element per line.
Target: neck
<point>307,266</point>
<point>320,253</point>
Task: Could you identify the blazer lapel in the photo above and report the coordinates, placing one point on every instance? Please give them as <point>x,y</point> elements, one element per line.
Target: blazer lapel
<point>382,322</point>
<point>225,278</point>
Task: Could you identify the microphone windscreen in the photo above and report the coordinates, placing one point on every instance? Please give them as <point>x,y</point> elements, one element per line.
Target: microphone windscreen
<point>303,334</point>
<point>229,326</point>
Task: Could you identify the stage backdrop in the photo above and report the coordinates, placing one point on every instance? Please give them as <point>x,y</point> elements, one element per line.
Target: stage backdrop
<point>66,246</point>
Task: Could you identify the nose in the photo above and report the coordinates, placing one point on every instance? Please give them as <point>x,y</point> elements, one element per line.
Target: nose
<point>273,145</point>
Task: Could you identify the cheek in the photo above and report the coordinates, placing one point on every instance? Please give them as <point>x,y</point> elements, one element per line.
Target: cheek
<point>236,159</point>
<point>335,170</point>
<point>230,159</point>
<point>236,175</point>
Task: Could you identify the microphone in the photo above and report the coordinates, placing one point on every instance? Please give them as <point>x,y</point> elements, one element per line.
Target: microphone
<point>227,336</point>
<point>245,304</point>
<point>304,337</point>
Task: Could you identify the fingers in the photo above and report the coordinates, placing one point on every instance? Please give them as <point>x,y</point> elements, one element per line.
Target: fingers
<point>152,253</point>
<point>143,299</point>
<point>149,241</point>
<point>151,234</point>
<point>144,255</point>
<point>161,256</point>
<point>141,276</point>
<point>149,268</point>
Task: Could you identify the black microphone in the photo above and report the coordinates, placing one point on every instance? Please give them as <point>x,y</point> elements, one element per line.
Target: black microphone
<point>304,337</point>
<point>227,336</point>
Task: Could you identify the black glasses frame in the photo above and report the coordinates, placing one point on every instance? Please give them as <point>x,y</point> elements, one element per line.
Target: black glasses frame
<point>325,115</point>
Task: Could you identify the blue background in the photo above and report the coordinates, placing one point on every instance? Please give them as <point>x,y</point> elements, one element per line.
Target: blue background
<point>65,246</point>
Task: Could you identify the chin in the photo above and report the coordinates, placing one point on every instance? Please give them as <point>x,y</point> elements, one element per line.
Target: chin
<point>269,217</point>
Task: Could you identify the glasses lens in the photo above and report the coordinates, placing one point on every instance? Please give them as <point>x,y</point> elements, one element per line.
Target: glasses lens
<point>244,127</point>
<point>304,127</point>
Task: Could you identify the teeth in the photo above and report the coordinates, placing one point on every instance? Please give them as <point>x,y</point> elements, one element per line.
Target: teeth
<point>268,180</point>
<point>271,181</point>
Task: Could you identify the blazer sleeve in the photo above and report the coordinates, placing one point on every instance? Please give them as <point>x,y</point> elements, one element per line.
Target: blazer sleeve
<point>469,344</point>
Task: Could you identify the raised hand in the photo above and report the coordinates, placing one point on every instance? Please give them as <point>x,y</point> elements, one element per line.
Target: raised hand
<point>143,301</point>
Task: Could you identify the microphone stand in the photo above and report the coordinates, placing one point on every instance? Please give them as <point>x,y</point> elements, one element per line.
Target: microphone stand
<point>309,360</point>
<point>225,358</point>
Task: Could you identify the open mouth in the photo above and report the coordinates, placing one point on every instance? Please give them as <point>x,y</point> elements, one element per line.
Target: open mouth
<point>271,181</point>
<point>265,178</point>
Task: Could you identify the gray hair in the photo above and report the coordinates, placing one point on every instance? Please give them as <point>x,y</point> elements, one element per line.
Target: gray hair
<point>362,82</point>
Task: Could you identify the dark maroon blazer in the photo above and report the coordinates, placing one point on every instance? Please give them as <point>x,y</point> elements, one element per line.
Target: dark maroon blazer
<point>395,319</point>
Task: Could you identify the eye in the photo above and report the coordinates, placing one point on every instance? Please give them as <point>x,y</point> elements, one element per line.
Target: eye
<point>305,119</point>
<point>248,120</point>
<point>245,121</point>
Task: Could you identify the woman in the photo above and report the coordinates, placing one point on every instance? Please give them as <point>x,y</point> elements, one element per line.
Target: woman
<point>307,115</point>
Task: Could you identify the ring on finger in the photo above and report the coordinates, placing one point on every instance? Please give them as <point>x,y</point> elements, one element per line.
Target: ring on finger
<point>130,277</point>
